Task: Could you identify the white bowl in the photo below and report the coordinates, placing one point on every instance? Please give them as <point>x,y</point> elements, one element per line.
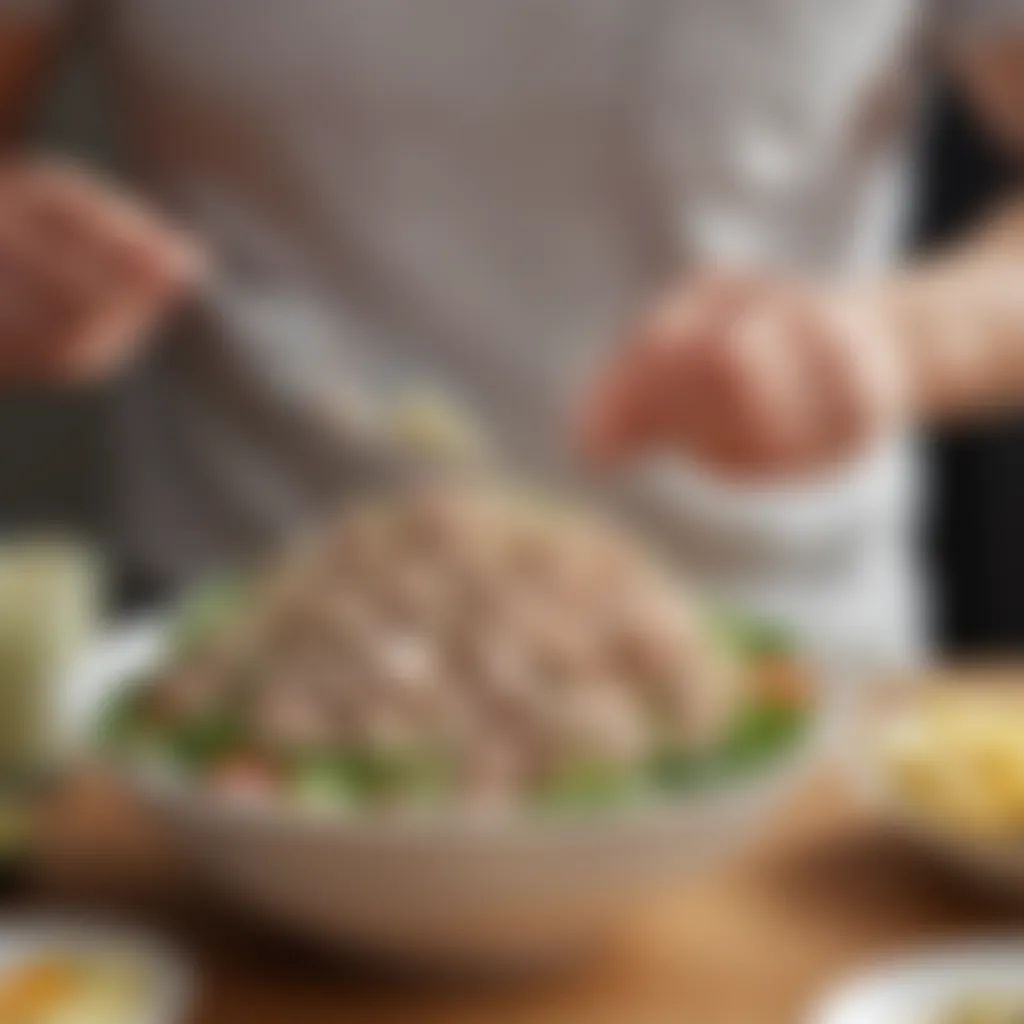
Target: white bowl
<point>920,989</point>
<point>443,890</point>
<point>169,984</point>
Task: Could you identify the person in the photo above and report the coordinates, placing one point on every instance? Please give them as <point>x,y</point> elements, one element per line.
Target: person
<point>484,193</point>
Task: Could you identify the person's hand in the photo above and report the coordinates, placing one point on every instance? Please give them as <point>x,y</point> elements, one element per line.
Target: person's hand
<point>752,376</point>
<point>85,274</point>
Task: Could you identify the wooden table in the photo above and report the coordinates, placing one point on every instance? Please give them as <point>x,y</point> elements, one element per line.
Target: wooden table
<point>823,891</point>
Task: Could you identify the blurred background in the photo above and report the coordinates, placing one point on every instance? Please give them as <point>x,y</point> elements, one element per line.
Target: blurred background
<point>54,466</point>
<point>828,886</point>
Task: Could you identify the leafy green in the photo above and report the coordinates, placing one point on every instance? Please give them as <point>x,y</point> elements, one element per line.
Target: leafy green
<point>369,775</point>
<point>199,742</point>
<point>122,719</point>
<point>126,726</point>
<point>589,786</point>
<point>319,786</point>
<point>207,610</point>
<point>760,735</point>
<point>678,768</point>
<point>752,638</point>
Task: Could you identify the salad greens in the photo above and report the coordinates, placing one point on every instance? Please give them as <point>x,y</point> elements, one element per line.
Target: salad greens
<point>342,781</point>
<point>216,741</point>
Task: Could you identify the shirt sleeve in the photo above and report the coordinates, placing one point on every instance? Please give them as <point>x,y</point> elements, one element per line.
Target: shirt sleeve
<point>967,18</point>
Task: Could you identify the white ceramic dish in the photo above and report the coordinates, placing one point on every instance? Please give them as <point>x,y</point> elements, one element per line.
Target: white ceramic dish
<point>169,982</point>
<point>442,891</point>
<point>919,989</point>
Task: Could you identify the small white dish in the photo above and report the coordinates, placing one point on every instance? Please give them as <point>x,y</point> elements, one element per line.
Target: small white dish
<point>169,983</point>
<point>920,988</point>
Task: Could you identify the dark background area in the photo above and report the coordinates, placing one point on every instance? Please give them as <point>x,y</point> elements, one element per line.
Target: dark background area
<point>975,534</point>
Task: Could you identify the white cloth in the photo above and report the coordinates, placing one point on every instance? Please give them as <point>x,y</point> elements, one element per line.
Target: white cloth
<point>481,192</point>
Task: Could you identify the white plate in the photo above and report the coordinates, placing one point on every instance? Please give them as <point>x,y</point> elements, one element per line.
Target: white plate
<point>918,989</point>
<point>172,985</point>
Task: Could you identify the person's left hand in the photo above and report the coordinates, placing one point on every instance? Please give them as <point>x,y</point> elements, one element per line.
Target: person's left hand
<point>751,376</point>
<point>86,273</point>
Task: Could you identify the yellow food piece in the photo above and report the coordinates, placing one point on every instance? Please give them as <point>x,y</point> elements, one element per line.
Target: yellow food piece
<point>958,760</point>
<point>429,423</point>
<point>69,989</point>
<point>37,988</point>
<point>985,1008</point>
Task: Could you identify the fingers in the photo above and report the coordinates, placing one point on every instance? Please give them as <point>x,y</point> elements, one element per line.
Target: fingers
<point>125,241</point>
<point>746,386</point>
<point>764,418</point>
<point>650,392</point>
<point>755,378</point>
<point>84,273</point>
<point>853,378</point>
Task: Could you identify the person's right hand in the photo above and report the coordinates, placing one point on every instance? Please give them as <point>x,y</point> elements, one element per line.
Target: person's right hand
<point>754,376</point>
<point>85,274</point>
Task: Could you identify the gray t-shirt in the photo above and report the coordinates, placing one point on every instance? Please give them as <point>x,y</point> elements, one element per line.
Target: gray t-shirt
<point>481,192</point>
